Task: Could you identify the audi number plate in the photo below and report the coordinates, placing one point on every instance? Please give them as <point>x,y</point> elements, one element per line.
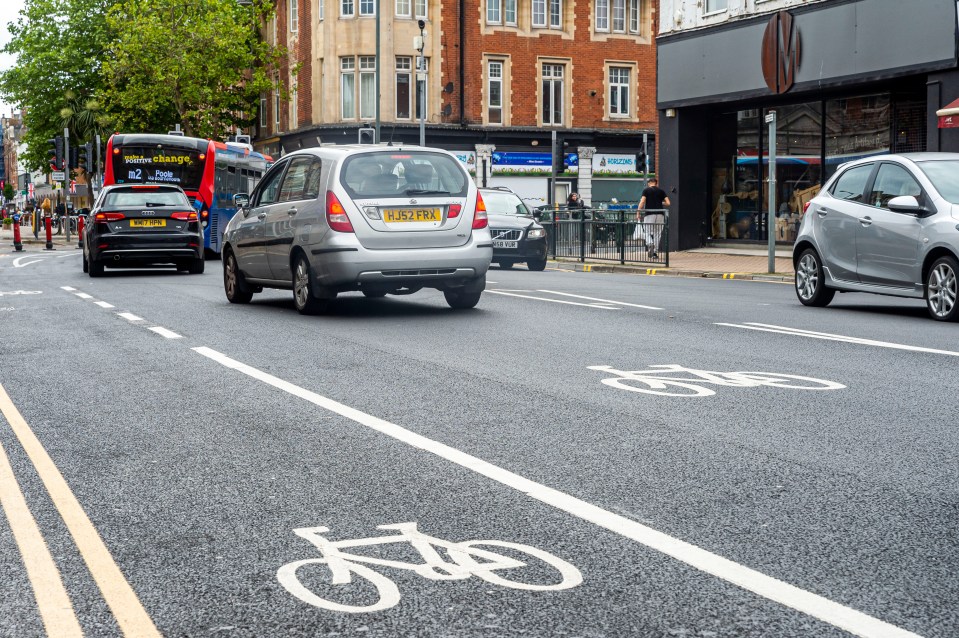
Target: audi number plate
<point>147,223</point>
<point>505,243</point>
<point>397,215</point>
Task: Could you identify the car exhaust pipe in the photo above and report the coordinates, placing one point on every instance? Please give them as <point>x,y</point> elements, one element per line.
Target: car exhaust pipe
<point>116,258</point>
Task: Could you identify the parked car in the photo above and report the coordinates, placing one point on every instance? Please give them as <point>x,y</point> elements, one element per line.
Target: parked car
<point>517,237</point>
<point>375,218</point>
<point>142,224</point>
<point>887,225</point>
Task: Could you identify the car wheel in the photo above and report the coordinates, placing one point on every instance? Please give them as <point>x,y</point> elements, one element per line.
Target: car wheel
<point>537,265</point>
<point>374,294</point>
<point>86,264</point>
<point>810,282</point>
<point>942,289</point>
<point>462,300</point>
<point>95,268</point>
<point>303,294</point>
<point>196,266</point>
<point>233,282</point>
<point>505,264</point>
<point>181,267</point>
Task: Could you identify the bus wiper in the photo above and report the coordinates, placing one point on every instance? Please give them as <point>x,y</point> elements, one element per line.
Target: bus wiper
<point>424,191</point>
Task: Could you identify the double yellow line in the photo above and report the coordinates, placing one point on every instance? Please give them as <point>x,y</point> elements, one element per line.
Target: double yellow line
<point>56,610</point>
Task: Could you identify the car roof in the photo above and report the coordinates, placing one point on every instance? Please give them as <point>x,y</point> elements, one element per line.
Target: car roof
<point>343,150</point>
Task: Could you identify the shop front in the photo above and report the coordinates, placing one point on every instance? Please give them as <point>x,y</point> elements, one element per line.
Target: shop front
<point>845,80</point>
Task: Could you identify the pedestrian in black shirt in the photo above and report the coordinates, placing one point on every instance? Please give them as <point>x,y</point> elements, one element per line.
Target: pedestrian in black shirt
<point>655,200</point>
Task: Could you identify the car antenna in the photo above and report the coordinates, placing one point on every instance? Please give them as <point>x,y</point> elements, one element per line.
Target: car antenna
<point>392,130</point>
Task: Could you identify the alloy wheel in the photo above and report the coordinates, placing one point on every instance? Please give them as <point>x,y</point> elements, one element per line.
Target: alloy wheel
<point>807,276</point>
<point>231,276</point>
<point>942,289</point>
<point>301,284</point>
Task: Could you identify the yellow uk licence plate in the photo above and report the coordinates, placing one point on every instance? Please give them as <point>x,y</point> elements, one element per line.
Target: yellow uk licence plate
<point>147,223</point>
<point>394,215</point>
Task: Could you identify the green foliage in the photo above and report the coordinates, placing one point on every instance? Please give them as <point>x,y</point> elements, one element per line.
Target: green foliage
<point>9,191</point>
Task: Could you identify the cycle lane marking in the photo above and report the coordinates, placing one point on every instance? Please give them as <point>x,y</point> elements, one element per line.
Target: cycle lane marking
<point>568,303</point>
<point>811,334</point>
<point>123,602</point>
<point>819,607</point>
<point>17,262</point>
<point>53,602</point>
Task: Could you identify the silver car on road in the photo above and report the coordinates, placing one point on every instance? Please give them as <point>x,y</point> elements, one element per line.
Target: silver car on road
<point>888,225</point>
<point>374,218</point>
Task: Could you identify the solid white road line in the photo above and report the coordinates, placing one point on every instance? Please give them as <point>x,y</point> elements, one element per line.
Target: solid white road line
<point>619,303</point>
<point>129,316</point>
<point>568,303</point>
<point>67,288</point>
<point>163,332</point>
<point>773,589</point>
<point>798,332</point>
<point>104,304</point>
<point>83,295</point>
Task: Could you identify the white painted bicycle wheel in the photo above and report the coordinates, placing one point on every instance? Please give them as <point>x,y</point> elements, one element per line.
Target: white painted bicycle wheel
<point>791,381</point>
<point>387,592</point>
<point>659,387</point>
<point>463,554</point>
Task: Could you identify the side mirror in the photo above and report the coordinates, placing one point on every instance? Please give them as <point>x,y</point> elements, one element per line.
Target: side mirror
<point>241,200</point>
<point>906,204</point>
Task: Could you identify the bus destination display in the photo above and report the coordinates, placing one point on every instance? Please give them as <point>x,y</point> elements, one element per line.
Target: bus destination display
<point>160,166</point>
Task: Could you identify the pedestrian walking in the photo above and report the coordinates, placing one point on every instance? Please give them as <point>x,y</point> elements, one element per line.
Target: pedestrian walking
<point>655,200</point>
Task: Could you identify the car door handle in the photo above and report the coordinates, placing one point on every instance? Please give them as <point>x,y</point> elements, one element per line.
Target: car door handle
<point>261,216</point>
<point>866,221</point>
<point>822,212</point>
<point>291,212</point>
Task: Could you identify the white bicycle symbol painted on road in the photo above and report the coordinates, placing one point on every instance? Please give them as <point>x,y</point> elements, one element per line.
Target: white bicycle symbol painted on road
<point>467,558</point>
<point>673,380</point>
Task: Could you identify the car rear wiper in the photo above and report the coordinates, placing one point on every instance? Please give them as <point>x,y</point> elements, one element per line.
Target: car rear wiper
<point>424,191</point>
<point>149,204</point>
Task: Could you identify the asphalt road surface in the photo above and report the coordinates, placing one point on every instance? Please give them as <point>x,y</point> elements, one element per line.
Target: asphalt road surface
<point>581,455</point>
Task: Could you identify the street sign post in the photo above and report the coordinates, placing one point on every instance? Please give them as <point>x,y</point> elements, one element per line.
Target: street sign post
<point>771,218</point>
<point>59,176</point>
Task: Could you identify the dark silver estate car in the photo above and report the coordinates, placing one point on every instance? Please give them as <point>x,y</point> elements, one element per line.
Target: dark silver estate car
<point>374,218</point>
<point>887,225</point>
<point>517,237</point>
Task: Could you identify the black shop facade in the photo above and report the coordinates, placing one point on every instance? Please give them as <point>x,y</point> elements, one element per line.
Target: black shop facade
<point>846,79</point>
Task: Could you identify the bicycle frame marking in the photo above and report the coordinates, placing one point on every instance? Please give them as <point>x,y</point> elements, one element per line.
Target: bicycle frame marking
<point>466,560</point>
<point>661,379</point>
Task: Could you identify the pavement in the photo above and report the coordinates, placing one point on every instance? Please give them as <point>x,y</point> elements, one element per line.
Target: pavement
<point>721,262</point>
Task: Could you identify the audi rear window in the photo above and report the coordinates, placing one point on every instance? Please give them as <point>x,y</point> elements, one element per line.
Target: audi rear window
<point>146,198</point>
<point>403,174</point>
<point>504,203</point>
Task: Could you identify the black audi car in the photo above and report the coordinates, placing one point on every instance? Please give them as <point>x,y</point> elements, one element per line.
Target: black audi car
<point>133,225</point>
<point>516,235</point>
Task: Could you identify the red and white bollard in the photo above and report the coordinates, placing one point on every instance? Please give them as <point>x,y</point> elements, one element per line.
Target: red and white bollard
<point>49,225</point>
<point>80,231</point>
<point>17,245</point>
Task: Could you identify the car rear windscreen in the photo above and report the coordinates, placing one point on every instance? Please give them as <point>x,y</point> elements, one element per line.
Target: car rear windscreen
<point>403,174</point>
<point>146,198</point>
<point>504,204</point>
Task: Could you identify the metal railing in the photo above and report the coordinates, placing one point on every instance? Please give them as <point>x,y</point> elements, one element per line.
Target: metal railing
<point>602,234</point>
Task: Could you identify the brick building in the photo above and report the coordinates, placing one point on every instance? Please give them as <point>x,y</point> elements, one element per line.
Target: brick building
<point>500,77</point>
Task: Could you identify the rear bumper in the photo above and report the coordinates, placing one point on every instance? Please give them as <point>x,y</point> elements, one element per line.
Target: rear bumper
<point>139,250</point>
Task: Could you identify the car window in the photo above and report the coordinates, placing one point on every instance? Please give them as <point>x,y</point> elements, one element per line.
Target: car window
<point>942,174</point>
<point>852,183</point>
<point>403,173</point>
<point>294,184</point>
<point>502,203</point>
<point>268,189</point>
<point>893,180</point>
<point>145,198</point>
<point>312,188</point>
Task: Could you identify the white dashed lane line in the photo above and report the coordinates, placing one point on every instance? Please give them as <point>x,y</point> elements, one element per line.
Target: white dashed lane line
<point>129,316</point>
<point>104,304</point>
<point>163,332</point>
<point>83,295</point>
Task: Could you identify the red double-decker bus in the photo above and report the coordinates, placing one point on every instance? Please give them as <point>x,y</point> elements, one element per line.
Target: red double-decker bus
<point>209,172</point>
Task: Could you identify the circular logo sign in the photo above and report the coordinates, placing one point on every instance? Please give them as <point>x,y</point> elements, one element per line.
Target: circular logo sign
<point>781,52</point>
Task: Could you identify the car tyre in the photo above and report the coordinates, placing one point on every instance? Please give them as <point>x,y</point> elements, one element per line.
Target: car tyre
<point>810,281</point>
<point>506,264</point>
<point>196,266</point>
<point>95,268</point>
<point>234,283</point>
<point>304,298</point>
<point>537,264</point>
<point>942,288</point>
<point>461,299</point>
<point>86,264</point>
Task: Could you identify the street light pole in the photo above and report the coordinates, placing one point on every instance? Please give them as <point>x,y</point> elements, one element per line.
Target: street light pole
<point>376,135</point>
<point>420,45</point>
<point>771,218</point>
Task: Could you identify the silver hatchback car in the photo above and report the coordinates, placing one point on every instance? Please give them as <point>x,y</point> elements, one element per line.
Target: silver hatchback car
<point>375,218</point>
<point>888,225</point>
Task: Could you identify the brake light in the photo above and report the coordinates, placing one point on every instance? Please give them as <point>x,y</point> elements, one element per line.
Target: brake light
<point>480,220</point>
<point>146,188</point>
<point>454,211</point>
<point>805,207</point>
<point>205,214</point>
<point>189,216</point>
<point>109,217</point>
<point>336,214</point>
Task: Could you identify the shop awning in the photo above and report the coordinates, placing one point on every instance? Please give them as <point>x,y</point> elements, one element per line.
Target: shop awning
<point>949,115</point>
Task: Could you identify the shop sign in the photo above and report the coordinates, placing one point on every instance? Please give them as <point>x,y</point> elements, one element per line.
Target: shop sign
<point>468,158</point>
<point>613,164</point>
<point>781,52</point>
<point>530,162</point>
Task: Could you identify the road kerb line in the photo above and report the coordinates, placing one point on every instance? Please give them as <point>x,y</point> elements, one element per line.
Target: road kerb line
<point>130,615</point>
<point>826,610</point>
<point>53,603</point>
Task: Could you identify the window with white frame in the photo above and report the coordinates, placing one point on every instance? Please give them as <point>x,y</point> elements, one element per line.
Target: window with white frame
<point>539,13</point>
<point>263,114</point>
<point>321,10</point>
<point>367,87</point>
<point>404,87</point>
<point>403,8</point>
<point>294,114</point>
<point>348,88</point>
<point>509,8</point>
<point>294,16</point>
<point>618,16</point>
<point>555,14</point>
<point>494,12</point>
<point>276,103</point>
<point>712,6</point>
<point>346,8</point>
<point>552,94</point>
<point>494,84</point>
<point>421,9</point>
<point>367,7</point>
<point>619,91</point>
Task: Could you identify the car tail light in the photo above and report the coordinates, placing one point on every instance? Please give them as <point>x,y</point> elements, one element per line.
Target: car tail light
<point>454,211</point>
<point>109,217</point>
<point>147,187</point>
<point>480,220</point>
<point>182,215</point>
<point>805,207</point>
<point>336,214</point>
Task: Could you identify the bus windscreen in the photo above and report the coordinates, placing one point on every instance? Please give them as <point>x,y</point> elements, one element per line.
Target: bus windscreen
<point>137,165</point>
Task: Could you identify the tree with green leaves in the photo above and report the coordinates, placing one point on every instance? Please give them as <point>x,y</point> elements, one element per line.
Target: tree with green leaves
<point>199,63</point>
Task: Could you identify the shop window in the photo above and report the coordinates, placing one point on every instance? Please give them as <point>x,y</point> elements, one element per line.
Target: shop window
<point>856,127</point>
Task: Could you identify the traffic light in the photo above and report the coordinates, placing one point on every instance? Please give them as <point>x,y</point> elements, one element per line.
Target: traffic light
<point>85,157</point>
<point>641,162</point>
<point>367,136</point>
<point>74,157</point>
<point>56,152</point>
<point>559,157</point>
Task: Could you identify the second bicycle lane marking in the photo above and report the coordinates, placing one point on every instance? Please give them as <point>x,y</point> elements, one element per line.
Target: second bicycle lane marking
<point>773,589</point>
